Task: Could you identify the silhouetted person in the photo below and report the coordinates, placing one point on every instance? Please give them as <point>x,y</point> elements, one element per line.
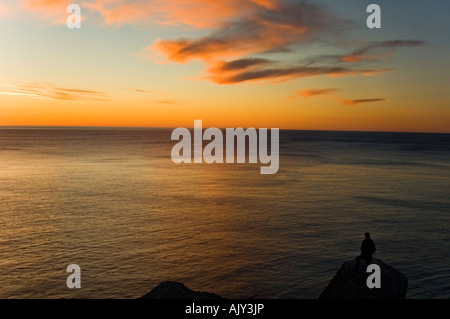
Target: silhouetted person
<point>367,250</point>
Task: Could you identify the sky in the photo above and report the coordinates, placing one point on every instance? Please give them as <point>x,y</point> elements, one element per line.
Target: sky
<point>307,65</point>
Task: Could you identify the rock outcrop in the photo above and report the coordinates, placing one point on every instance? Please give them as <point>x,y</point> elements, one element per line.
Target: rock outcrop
<point>176,290</point>
<point>349,283</point>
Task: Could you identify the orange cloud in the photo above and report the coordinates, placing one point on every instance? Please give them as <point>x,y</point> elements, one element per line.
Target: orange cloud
<point>196,13</point>
<point>257,31</point>
<point>271,4</point>
<point>54,10</point>
<point>229,50</point>
<point>43,4</point>
<point>352,58</point>
<point>359,101</point>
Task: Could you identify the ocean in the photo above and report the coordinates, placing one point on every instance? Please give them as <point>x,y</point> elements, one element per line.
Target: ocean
<point>113,202</point>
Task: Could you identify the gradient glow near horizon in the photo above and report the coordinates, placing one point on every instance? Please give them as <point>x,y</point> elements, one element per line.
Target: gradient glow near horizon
<point>311,65</point>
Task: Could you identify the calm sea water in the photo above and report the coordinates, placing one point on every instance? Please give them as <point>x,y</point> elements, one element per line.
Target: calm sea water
<point>113,202</point>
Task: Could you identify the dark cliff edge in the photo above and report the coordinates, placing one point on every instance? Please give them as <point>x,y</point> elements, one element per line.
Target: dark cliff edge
<point>176,290</point>
<point>349,283</point>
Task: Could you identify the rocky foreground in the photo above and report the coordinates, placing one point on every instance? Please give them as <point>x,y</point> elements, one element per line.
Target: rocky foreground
<point>348,283</point>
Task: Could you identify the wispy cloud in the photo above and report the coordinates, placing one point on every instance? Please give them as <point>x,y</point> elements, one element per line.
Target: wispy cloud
<point>359,101</point>
<point>238,65</point>
<point>20,113</point>
<point>307,93</point>
<point>369,52</point>
<point>315,92</point>
<point>147,91</point>
<point>379,50</point>
<point>48,91</point>
<point>286,73</point>
<point>167,101</point>
<point>173,101</point>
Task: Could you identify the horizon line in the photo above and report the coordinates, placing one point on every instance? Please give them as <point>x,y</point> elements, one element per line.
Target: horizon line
<point>222,128</point>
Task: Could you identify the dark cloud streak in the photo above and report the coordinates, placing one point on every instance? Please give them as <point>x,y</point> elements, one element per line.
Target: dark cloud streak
<point>359,101</point>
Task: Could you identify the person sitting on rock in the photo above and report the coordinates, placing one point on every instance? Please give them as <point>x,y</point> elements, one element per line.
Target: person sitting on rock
<point>367,250</point>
